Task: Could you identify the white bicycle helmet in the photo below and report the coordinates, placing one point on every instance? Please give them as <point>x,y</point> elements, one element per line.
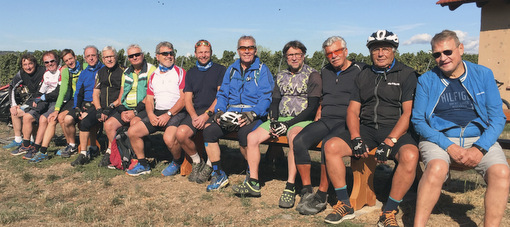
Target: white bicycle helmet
<point>383,36</point>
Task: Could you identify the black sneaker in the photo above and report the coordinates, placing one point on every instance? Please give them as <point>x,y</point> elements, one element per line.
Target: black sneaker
<point>68,151</point>
<point>105,161</point>
<point>304,199</point>
<point>388,219</point>
<point>93,151</point>
<point>204,174</point>
<point>247,189</point>
<point>341,212</point>
<point>313,206</point>
<point>80,160</point>
<point>195,169</point>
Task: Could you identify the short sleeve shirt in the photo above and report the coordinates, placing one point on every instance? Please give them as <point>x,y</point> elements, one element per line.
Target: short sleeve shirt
<point>165,87</point>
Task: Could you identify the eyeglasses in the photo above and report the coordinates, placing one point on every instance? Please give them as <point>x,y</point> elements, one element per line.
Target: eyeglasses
<point>167,53</point>
<point>336,52</point>
<point>134,55</point>
<point>48,62</point>
<point>384,50</point>
<point>445,52</point>
<point>246,48</point>
<point>297,55</point>
<point>107,57</point>
<point>202,43</point>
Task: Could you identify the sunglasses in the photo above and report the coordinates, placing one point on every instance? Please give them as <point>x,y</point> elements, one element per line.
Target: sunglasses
<point>202,43</point>
<point>48,62</point>
<point>336,52</point>
<point>134,55</point>
<point>445,52</point>
<point>246,48</point>
<point>167,53</point>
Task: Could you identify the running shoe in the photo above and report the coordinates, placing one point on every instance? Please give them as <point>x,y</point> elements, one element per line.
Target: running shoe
<point>139,170</point>
<point>218,181</point>
<point>341,212</point>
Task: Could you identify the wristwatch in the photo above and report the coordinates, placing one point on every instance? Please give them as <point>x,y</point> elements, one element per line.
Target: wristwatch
<point>169,113</point>
<point>392,139</point>
<point>484,152</point>
<point>209,113</point>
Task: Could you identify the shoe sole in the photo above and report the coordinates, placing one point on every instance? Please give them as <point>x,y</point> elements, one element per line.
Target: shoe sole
<point>138,174</point>
<point>18,154</point>
<point>346,217</point>
<point>222,185</point>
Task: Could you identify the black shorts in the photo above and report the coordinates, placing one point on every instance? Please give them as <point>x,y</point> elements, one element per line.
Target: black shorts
<point>118,117</point>
<point>214,132</point>
<point>175,120</point>
<point>91,119</point>
<point>67,106</point>
<point>187,120</point>
<point>373,137</point>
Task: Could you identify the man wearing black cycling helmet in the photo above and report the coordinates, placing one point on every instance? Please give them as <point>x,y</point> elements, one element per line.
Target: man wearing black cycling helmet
<point>378,116</point>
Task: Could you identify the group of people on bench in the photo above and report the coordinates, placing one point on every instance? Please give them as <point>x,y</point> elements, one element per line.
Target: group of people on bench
<point>451,113</point>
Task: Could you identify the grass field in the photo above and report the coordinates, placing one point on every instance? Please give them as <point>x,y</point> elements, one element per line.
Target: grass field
<point>53,193</point>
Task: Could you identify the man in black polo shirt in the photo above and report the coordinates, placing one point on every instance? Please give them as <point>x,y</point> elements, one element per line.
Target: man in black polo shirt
<point>378,115</point>
<point>201,85</point>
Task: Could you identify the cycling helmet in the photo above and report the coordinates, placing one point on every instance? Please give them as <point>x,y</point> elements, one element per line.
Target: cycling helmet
<point>382,36</point>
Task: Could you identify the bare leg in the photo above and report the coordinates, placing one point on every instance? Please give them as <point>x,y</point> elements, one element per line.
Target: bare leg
<point>496,196</point>
<point>183,136</point>
<point>335,149</point>
<point>17,122</point>
<point>324,184</point>
<point>252,153</point>
<point>28,120</point>
<point>404,175</point>
<point>429,190</point>
<point>43,123</point>
<point>171,142</point>
<point>136,133</point>
<point>110,127</point>
<point>290,156</point>
<point>70,129</point>
<point>49,133</point>
<point>213,151</point>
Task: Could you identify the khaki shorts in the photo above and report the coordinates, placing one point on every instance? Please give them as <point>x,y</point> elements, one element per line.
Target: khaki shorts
<point>430,151</point>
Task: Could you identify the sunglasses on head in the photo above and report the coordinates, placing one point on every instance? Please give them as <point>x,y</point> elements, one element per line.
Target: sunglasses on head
<point>134,55</point>
<point>48,62</point>
<point>246,48</point>
<point>202,43</point>
<point>167,53</point>
<point>445,52</point>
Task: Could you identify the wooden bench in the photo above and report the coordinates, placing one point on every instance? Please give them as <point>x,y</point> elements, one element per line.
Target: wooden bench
<point>363,171</point>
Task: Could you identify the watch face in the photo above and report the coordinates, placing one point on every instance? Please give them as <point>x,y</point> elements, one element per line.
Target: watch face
<point>169,113</point>
<point>394,140</point>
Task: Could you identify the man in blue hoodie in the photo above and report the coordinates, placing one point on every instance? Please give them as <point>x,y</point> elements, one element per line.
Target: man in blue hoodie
<point>458,115</point>
<point>242,101</point>
<point>83,94</point>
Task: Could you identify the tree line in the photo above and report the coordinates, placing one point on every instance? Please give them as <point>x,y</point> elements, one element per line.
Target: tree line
<point>421,61</point>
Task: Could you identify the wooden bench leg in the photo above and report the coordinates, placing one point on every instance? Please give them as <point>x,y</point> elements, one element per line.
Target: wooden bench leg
<point>363,182</point>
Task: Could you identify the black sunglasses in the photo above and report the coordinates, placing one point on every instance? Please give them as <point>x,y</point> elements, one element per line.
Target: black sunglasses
<point>134,55</point>
<point>166,54</point>
<point>48,62</point>
<point>445,52</point>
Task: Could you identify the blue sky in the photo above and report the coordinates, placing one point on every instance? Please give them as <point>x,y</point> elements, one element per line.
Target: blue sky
<point>49,24</point>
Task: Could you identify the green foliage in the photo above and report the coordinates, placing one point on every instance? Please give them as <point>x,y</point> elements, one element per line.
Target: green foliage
<point>421,61</point>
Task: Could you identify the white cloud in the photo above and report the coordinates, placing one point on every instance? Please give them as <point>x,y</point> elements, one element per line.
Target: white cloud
<point>471,43</point>
<point>418,39</point>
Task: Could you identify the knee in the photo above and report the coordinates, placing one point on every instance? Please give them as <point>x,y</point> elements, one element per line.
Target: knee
<point>500,173</point>
<point>169,140</point>
<point>28,119</point>
<point>182,133</point>
<point>409,156</point>
<point>68,120</point>
<point>43,120</point>
<point>436,170</point>
<point>61,117</point>
<point>335,146</point>
<point>109,125</point>
<point>252,139</point>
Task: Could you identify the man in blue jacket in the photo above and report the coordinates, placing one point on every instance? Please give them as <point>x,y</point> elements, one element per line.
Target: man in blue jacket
<point>242,101</point>
<point>458,115</point>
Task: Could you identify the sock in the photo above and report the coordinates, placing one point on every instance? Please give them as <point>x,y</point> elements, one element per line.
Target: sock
<point>43,150</point>
<point>37,147</point>
<point>180,160</point>
<point>93,147</point>
<point>72,144</point>
<point>18,139</point>
<point>26,143</point>
<point>143,162</point>
<point>108,151</point>
<point>391,204</point>
<point>342,195</point>
<point>209,163</point>
<point>306,189</point>
<point>322,195</point>
<point>289,186</point>
<point>195,158</point>
<point>32,138</point>
<point>254,182</point>
<point>84,152</point>
<point>216,166</point>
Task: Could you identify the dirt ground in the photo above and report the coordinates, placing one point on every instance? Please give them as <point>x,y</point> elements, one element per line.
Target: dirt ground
<point>53,193</point>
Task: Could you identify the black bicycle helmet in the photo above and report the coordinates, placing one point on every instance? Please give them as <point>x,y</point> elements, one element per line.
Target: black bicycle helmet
<point>382,36</point>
